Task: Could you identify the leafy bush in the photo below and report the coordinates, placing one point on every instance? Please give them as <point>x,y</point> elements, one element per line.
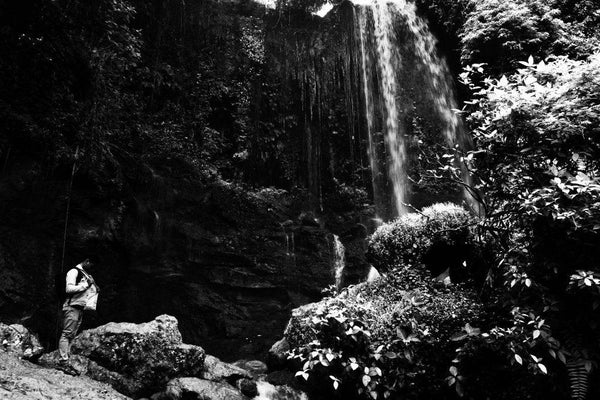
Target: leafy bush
<point>392,337</point>
<point>439,236</point>
<point>536,160</point>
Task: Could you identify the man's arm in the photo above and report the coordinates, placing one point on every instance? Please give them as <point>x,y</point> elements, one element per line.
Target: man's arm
<point>72,287</point>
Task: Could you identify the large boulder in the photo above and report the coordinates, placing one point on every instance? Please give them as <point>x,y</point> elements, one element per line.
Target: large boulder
<point>195,388</point>
<point>137,359</point>
<point>18,340</point>
<point>22,380</point>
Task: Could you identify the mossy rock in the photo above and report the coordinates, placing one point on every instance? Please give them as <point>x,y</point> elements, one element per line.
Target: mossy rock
<point>149,354</point>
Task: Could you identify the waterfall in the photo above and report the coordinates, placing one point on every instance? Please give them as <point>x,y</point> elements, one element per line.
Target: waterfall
<point>377,178</point>
<point>339,261</point>
<point>375,64</point>
<point>394,138</point>
<point>384,88</point>
<point>375,20</point>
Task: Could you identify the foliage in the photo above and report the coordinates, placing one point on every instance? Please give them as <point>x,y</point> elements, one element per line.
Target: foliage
<point>69,64</point>
<point>341,197</point>
<point>500,33</point>
<point>441,231</point>
<point>536,165</point>
<point>451,14</point>
<point>384,339</point>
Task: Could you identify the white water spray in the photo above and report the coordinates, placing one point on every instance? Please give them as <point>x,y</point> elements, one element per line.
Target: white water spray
<point>266,391</point>
<point>339,261</point>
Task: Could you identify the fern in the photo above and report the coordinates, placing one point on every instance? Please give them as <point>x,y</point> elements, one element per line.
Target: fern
<point>578,365</point>
<point>579,374</point>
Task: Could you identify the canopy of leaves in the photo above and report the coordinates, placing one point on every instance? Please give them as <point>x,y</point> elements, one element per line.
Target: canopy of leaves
<point>500,33</point>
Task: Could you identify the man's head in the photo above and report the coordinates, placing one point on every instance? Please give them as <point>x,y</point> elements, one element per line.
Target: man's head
<point>87,263</point>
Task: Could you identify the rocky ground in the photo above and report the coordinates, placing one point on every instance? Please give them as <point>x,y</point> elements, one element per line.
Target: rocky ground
<point>23,380</point>
<point>117,360</point>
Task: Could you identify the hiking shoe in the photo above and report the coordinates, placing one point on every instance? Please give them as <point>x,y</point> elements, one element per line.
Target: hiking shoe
<point>67,368</point>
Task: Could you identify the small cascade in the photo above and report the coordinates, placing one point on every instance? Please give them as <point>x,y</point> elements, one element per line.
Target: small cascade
<point>373,274</point>
<point>266,391</point>
<point>290,245</point>
<point>339,261</point>
<point>157,222</point>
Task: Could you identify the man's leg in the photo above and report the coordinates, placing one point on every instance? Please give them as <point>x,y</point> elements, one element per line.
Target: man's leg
<point>71,322</point>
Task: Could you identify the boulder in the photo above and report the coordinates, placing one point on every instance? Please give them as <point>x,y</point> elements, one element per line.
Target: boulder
<point>219,371</point>
<point>282,378</point>
<point>22,380</point>
<point>17,339</point>
<point>97,372</point>
<point>195,388</point>
<point>277,356</point>
<point>136,359</point>
<point>254,367</point>
<point>309,218</point>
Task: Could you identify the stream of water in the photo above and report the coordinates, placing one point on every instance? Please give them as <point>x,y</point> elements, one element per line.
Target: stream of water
<point>266,391</point>
<point>376,22</point>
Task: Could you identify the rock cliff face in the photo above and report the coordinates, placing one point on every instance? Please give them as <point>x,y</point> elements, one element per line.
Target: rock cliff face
<point>230,264</point>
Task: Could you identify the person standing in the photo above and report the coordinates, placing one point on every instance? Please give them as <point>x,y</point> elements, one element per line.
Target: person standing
<point>78,282</point>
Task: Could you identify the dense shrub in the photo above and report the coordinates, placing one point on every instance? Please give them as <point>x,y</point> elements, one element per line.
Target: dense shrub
<point>389,338</point>
<point>439,236</point>
<point>536,162</point>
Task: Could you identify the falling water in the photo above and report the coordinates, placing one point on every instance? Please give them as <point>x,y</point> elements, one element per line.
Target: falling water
<point>339,261</point>
<point>387,58</point>
<point>266,391</point>
<point>436,69</point>
<point>290,245</point>
<point>377,178</point>
<point>376,22</point>
<point>440,87</point>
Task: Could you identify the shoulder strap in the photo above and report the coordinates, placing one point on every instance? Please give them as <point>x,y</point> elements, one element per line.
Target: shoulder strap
<point>88,276</point>
<point>70,296</point>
